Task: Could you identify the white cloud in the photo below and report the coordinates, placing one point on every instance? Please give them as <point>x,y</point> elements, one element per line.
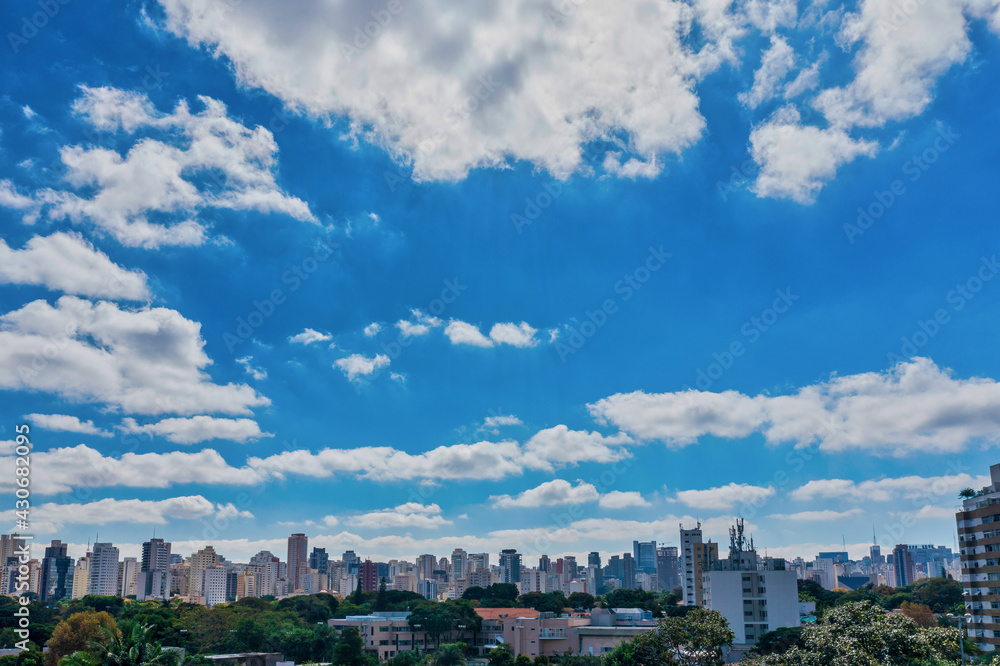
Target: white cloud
<point>62,469</point>
<point>309,336</point>
<point>775,64</point>
<point>889,489</point>
<point>207,161</point>
<point>256,372</point>
<point>498,421</point>
<point>50,517</point>
<point>551,493</point>
<point>796,160</point>
<point>617,499</point>
<point>68,263</point>
<point>559,446</point>
<point>358,365</point>
<point>517,335</point>
<point>147,361</point>
<point>372,329</point>
<point>914,407</point>
<point>825,515</point>
<point>422,326</point>
<point>199,429</point>
<point>725,497</point>
<point>518,81</point>
<point>462,333</point>
<point>411,514</point>
<point>64,423</point>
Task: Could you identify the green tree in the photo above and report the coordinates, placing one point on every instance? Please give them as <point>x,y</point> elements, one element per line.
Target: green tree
<point>694,640</point>
<point>581,601</point>
<point>450,654</point>
<point>863,633</point>
<point>349,649</point>
<point>522,660</point>
<point>475,592</point>
<point>78,633</point>
<point>381,601</point>
<point>407,658</point>
<point>544,602</point>
<point>131,644</point>
<point>779,641</point>
<point>501,655</point>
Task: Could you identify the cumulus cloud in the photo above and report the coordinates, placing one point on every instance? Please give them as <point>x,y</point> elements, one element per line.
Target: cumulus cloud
<point>372,329</point>
<point>518,81</point>
<point>550,493</point>
<point>204,161</point>
<point>146,361</point>
<point>888,489</point>
<point>915,406</point>
<point>421,324</point>
<point>254,371</point>
<point>51,517</point>
<point>358,365</point>
<point>797,160</point>
<point>64,423</point>
<point>198,429</point>
<point>560,446</point>
<point>516,335</point>
<point>725,497</point>
<point>309,336</point>
<point>775,65</point>
<point>66,262</point>
<point>411,514</point>
<point>498,421</point>
<point>617,499</point>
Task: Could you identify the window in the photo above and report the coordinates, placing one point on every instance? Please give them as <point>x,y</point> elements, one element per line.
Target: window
<point>383,642</point>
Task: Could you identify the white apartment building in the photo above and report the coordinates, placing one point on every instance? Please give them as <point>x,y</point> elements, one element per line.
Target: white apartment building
<point>103,570</point>
<point>979,545</point>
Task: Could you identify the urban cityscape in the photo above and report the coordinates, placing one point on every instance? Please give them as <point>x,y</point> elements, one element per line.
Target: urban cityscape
<point>499,333</point>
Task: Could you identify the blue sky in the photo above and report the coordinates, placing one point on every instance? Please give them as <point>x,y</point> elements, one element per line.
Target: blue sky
<point>255,282</point>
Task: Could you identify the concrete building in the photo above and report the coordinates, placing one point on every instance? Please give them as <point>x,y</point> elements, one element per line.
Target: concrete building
<point>902,566</point>
<point>387,634</point>
<point>754,595</point>
<point>103,571</point>
<point>81,577</point>
<point>128,569</point>
<point>212,582</point>
<point>510,566</point>
<point>979,547</point>
<point>644,554</point>
<point>459,559</point>
<point>298,553</point>
<point>697,557</point>
<point>203,559</point>
<point>668,568</point>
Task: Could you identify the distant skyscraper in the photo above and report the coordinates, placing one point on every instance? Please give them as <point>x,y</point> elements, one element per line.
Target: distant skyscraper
<point>628,571</point>
<point>319,560</point>
<point>667,568</point>
<point>544,563</point>
<point>103,570</point>
<point>875,552</point>
<point>902,565</point>
<point>9,545</point>
<point>510,566</point>
<point>696,558</point>
<point>155,555</point>
<point>368,579</point>
<point>298,553</point>
<point>458,563</point>
<point>479,562</point>
<point>57,573</point>
<point>203,559</point>
<point>644,554</point>
<point>594,559</point>
<point>128,570</point>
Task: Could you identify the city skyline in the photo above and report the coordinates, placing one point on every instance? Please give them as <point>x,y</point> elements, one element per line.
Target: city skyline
<point>276,279</point>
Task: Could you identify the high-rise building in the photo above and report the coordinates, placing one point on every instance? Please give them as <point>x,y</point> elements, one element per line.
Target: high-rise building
<point>668,573</point>
<point>697,557</point>
<point>425,565</point>
<point>594,559</point>
<point>368,579</point>
<point>155,555</point>
<point>479,562</point>
<point>267,573</point>
<point>57,573</point>
<point>319,560</point>
<point>10,544</point>
<point>544,563</point>
<point>298,553</point>
<point>458,563</point>
<point>644,554</point>
<point>902,566</point>
<point>203,559</point>
<point>628,571</point>
<point>875,552</point>
<point>977,540</point>
<point>81,577</point>
<point>103,570</point>
<point>510,566</point>
<point>212,582</point>
<point>128,569</point>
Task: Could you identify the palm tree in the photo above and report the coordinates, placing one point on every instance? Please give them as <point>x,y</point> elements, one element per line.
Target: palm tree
<point>451,654</point>
<point>131,645</point>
